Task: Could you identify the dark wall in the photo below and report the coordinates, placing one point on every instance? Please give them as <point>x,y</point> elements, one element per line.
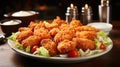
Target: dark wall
<point>56,7</point>
<point>115,9</point>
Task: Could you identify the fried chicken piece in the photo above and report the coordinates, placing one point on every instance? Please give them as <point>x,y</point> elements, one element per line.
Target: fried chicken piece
<point>59,21</point>
<point>64,26</point>
<point>23,29</point>
<point>87,34</point>
<point>49,26</point>
<point>54,31</point>
<point>31,41</point>
<point>65,34</point>
<point>39,25</point>
<point>65,46</point>
<point>50,46</point>
<point>84,44</point>
<point>23,35</point>
<point>86,28</point>
<point>58,37</point>
<point>32,25</point>
<point>75,23</point>
<point>42,32</point>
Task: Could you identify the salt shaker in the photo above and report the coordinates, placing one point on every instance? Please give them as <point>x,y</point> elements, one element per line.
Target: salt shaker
<point>72,12</point>
<point>75,13</point>
<point>86,15</point>
<point>104,11</point>
<point>69,14</point>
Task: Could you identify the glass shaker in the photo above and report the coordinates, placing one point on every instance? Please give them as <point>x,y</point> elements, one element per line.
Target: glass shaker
<point>72,13</point>
<point>86,15</point>
<point>104,11</point>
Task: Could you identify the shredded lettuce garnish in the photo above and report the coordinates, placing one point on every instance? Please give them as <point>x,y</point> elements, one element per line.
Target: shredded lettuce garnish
<point>101,38</point>
<point>97,43</point>
<point>18,46</point>
<point>104,38</point>
<point>42,52</point>
<point>27,49</point>
<point>88,52</point>
<point>12,37</point>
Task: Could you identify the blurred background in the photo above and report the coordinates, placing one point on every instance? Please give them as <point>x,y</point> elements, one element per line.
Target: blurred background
<point>49,9</point>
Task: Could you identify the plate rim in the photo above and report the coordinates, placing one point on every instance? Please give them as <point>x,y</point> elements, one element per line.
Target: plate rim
<point>59,59</point>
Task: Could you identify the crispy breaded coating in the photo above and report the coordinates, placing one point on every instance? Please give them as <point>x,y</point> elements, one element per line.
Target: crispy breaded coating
<point>84,44</point>
<point>50,46</point>
<point>65,46</point>
<point>65,34</point>
<point>23,29</point>
<point>59,21</point>
<point>31,41</point>
<point>58,36</point>
<point>32,25</point>
<point>23,35</point>
<point>86,28</point>
<point>75,23</point>
<point>42,32</point>
<point>39,25</point>
<point>64,26</point>
<point>49,26</point>
<point>54,31</point>
<point>86,34</point>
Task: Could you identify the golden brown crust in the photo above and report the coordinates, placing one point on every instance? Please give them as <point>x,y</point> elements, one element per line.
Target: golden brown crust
<point>86,28</point>
<point>84,44</point>
<point>54,31</point>
<point>65,46</point>
<point>58,36</point>
<point>31,41</point>
<point>23,35</point>
<point>42,32</point>
<point>50,46</point>
<point>75,23</point>
<point>32,25</point>
<point>63,35</point>
<point>23,29</point>
<point>86,34</point>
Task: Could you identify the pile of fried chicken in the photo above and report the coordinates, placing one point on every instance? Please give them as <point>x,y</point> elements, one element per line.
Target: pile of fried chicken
<point>58,36</point>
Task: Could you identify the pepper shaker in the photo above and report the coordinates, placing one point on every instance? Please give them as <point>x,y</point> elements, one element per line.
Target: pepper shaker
<point>86,16</point>
<point>75,13</point>
<point>69,14</point>
<point>104,11</point>
<point>72,12</point>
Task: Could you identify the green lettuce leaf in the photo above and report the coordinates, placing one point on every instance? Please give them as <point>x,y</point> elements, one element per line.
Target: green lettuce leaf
<point>18,46</point>
<point>27,49</point>
<point>97,43</point>
<point>104,38</point>
<point>42,52</point>
<point>12,37</point>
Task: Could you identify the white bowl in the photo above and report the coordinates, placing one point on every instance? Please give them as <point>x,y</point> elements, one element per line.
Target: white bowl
<point>25,16</point>
<point>106,27</point>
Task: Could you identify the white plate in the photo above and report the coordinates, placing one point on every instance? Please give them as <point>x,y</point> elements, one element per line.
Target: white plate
<point>60,59</point>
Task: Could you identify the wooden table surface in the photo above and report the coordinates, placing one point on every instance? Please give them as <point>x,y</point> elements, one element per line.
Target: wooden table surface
<point>9,58</point>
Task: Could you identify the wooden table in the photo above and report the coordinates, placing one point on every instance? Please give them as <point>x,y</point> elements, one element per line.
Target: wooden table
<point>9,58</point>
